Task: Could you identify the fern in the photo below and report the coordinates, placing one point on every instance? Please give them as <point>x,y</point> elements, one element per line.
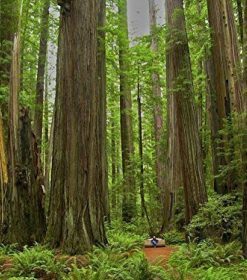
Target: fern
<point>33,262</point>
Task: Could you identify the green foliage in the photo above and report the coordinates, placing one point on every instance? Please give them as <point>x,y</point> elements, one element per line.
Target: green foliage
<point>35,262</point>
<point>223,273</point>
<point>21,278</point>
<point>8,250</point>
<point>209,220</point>
<point>138,229</point>
<point>174,237</point>
<point>231,148</point>
<point>123,242</point>
<point>206,255</point>
<point>121,260</point>
<point>208,261</point>
<point>110,264</point>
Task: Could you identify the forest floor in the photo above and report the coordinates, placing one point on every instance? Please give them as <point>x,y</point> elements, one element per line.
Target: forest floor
<point>159,256</point>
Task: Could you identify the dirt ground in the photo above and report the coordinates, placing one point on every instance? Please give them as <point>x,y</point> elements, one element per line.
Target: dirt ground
<point>159,256</point>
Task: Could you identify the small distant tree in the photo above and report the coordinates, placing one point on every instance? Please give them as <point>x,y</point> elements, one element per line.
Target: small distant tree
<point>40,86</point>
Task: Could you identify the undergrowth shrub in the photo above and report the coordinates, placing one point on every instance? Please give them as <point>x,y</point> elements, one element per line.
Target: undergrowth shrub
<point>36,262</point>
<point>237,271</point>
<point>207,254</point>
<point>123,259</point>
<point>138,227</point>
<point>219,219</point>
<point>123,237</point>
<point>8,250</point>
<point>174,237</point>
<point>208,261</point>
<point>111,263</point>
<point>158,273</point>
<point>124,242</point>
<point>21,278</point>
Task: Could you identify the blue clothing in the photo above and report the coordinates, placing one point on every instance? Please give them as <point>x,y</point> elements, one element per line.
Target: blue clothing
<point>154,242</point>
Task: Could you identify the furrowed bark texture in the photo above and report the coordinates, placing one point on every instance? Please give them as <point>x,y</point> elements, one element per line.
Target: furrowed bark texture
<point>76,213</point>
<point>23,213</point>
<point>226,85</point>
<point>174,168</point>
<point>140,134</point>
<point>3,168</point>
<point>178,70</point>
<point>113,166</point>
<point>129,188</point>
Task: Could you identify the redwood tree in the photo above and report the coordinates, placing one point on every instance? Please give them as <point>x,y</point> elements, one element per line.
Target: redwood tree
<point>9,10</point>
<point>101,80</point>
<point>158,116</point>
<point>226,87</point>
<point>23,219</point>
<point>76,213</point>
<point>129,195</point>
<point>23,212</point>
<point>244,156</point>
<point>3,168</point>
<point>40,86</point>
<point>180,86</point>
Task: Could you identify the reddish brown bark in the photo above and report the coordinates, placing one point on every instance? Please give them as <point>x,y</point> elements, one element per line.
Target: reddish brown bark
<point>23,211</point>
<point>76,213</point>
<point>226,87</point>
<point>3,168</point>
<point>179,72</point>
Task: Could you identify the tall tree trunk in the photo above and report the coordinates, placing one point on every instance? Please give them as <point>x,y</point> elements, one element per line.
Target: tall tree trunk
<point>233,57</point>
<point>48,164</point>
<point>244,156</point>
<point>129,190</point>
<point>179,72</point>
<point>101,66</point>
<point>139,102</point>
<point>174,168</point>
<point>240,20</point>
<point>23,220</point>
<point>158,118</point>
<point>245,55</point>
<point>144,210</point>
<point>113,165</point>
<point>226,91</point>
<point>40,86</point>
<point>76,213</point>
<point>3,169</point>
<point>46,124</point>
<point>9,11</point>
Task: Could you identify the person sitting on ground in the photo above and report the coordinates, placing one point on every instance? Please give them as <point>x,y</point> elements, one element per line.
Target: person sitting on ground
<point>154,241</point>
